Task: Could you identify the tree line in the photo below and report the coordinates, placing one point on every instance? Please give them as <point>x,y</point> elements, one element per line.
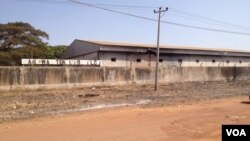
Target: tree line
<point>21,40</point>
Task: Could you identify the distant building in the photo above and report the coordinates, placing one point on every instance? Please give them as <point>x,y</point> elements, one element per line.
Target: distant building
<point>143,55</point>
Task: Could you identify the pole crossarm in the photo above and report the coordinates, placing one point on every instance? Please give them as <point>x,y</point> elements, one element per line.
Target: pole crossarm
<point>160,10</point>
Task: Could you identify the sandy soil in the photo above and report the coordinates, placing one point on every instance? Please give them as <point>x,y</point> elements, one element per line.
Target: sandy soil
<point>195,121</point>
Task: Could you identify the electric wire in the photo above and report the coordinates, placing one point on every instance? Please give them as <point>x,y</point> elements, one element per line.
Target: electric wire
<point>172,11</point>
<point>202,18</point>
<point>166,22</point>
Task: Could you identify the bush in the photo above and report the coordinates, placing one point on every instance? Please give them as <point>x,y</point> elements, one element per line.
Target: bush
<point>13,57</point>
<point>5,58</point>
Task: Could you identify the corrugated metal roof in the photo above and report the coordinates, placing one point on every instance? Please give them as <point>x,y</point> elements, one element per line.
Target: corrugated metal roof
<point>108,43</point>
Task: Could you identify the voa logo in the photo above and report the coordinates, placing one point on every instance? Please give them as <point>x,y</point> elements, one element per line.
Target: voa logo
<point>236,132</point>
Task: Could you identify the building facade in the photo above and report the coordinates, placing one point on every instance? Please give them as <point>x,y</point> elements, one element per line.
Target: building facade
<point>142,55</point>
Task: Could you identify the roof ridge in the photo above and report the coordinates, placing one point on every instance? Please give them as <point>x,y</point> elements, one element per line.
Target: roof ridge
<point>129,44</point>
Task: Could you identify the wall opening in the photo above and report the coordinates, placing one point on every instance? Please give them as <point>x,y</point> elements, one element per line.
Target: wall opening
<point>213,61</point>
<point>138,60</point>
<point>180,60</point>
<point>113,59</point>
<point>160,60</point>
<point>197,61</point>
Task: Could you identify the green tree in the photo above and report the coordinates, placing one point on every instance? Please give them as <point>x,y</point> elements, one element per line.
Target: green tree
<point>5,58</point>
<point>21,40</point>
<point>27,52</point>
<point>19,34</point>
<point>54,52</point>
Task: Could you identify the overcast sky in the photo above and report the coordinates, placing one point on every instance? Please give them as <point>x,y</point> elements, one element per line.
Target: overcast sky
<point>65,22</point>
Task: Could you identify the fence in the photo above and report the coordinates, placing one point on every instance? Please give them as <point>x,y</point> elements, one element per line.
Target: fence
<point>68,77</point>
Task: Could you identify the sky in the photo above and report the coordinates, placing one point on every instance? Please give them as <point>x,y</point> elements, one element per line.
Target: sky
<point>67,21</point>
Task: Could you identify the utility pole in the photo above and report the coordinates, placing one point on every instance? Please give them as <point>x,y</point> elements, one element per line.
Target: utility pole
<point>158,42</point>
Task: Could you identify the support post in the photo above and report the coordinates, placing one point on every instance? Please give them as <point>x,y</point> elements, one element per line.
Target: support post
<point>160,11</point>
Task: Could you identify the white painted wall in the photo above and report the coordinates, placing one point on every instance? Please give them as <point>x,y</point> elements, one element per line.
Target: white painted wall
<point>147,60</point>
<point>121,59</point>
<point>197,61</point>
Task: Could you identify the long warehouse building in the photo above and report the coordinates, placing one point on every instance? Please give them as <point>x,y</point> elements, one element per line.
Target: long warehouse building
<point>144,55</point>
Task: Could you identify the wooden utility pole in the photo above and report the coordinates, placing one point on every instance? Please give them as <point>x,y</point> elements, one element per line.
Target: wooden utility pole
<point>160,11</point>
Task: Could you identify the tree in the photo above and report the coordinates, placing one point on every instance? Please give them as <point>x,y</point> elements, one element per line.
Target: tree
<point>5,58</point>
<point>21,40</point>
<point>27,52</point>
<point>54,52</point>
<point>19,34</point>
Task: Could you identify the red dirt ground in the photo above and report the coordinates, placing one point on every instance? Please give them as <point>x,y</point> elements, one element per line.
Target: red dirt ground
<point>196,121</point>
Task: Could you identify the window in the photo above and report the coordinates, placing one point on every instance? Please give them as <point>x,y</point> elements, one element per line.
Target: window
<point>180,60</point>
<point>240,61</point>
<point>138,60</point>
<point>228,61</point>
<point>160,60</point>
<point>213,61</point>
<point>197,61</point>
<point>113,59</point>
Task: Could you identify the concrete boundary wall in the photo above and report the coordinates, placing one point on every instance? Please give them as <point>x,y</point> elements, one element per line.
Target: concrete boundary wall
<point>70,77</point>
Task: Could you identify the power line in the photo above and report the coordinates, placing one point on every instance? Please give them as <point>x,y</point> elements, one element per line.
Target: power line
<point>186,14</point>
<point>48,1</point>
<point>175,12</point>
<point>123,6</point>
<point>114,11</point>
<point>206,28</point>
<point>166,22</point>
<point>97,4</point>
<point>172,11</point>
<point>207,21</point>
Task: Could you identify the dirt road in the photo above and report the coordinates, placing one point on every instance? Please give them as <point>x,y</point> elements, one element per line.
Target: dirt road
<point>196,121</point>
